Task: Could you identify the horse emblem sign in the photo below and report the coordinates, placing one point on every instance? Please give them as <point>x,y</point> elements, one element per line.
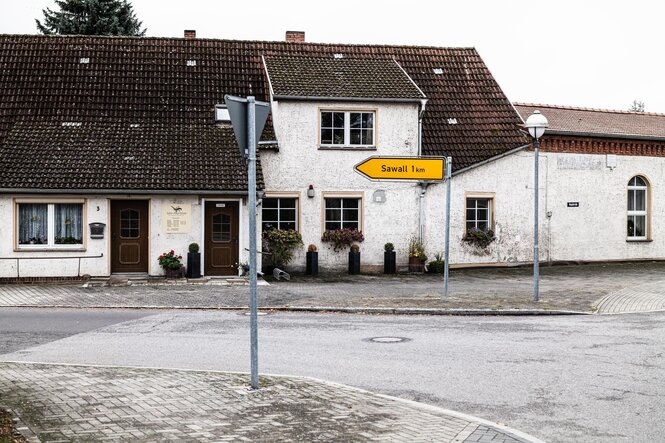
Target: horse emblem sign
<point>177,218</point>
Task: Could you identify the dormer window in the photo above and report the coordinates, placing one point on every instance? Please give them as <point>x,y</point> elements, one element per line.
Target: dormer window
<point>347,128</point>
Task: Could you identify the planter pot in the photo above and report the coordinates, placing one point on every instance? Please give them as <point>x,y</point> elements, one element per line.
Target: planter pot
<point>312,263</point>
<point>354,262</point>
<point>173,273</point>
<point>389,262</point>
<point>416,264</point>
<point>193,265</point>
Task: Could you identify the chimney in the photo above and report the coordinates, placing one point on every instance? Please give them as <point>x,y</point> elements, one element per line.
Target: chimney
<point>190,33</point>
<point>295,37</point>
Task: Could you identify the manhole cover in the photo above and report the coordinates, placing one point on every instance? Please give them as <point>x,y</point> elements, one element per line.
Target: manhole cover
<point>387,339</point>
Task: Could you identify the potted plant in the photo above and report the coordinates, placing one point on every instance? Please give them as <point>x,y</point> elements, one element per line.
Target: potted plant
<point>342,238</point>
<point>312,261</point>
<point>478,238</point>
<point>417,256</point>
<point>389,259</point>
<point>171,264</point>
<point>193,261</point>
<point>354,260</point>
<point>436,266</point>
<point>279,246</point>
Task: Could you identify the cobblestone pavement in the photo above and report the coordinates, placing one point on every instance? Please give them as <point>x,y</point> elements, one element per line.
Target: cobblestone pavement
<point>582,288</point>
<point>62,403</point>
<point>640,298</point>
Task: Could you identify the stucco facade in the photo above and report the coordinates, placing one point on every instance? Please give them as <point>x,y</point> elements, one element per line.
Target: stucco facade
<point>389,210</point>
<point>93,257</point>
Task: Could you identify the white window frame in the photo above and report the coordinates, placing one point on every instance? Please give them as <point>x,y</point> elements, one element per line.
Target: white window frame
<point>638,213</point>
<point>347,128</point>
<point>347,196</point>
<point>490,209</point>
<point>280,197</point>
<point>50,233</point>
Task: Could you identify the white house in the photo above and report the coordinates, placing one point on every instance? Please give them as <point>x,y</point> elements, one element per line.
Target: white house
<point>111,156</point>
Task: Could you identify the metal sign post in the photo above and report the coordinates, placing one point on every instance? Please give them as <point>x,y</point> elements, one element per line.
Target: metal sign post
<point>449,183</point>
<point>248,125</point>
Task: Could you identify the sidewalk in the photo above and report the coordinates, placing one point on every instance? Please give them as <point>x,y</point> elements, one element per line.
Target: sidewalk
<point>603,288</point>
<point>59,403</point>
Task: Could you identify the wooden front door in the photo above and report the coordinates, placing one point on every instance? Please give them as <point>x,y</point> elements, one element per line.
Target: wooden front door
<point>221,238</point>
<point>129,236</point>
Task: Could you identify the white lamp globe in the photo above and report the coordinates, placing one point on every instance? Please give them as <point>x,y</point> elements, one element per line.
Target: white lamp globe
<point>536,124</point>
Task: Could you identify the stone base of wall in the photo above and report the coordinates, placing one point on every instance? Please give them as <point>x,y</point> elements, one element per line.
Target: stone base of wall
<point>38,280</point>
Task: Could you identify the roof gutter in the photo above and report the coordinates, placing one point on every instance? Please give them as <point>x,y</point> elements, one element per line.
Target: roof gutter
<point>118,191</point>
<point>346,99</point>
<point>491,159</point>
<point>596,135</point>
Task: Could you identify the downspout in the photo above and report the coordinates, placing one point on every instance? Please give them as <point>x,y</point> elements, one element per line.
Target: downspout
<point>423,185</point>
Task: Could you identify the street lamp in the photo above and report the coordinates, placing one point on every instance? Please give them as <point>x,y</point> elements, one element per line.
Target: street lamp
<point>536,124</point>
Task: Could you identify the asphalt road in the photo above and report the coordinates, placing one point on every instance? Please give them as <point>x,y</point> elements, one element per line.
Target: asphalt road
<point>581,378</point>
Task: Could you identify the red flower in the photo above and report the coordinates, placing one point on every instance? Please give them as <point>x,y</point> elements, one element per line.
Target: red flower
<point>161,257</point>
<point>180,257</point>
<point>172,252</point>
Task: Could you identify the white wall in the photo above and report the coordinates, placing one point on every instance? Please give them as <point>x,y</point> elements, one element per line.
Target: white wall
<point>594,231</point>
<point>300,163</point>
<point>97,210</point>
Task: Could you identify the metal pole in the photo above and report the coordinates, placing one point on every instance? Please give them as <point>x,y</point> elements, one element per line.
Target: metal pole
<point>536,257</point>
<point>251,209</point>
<point>449,174</point>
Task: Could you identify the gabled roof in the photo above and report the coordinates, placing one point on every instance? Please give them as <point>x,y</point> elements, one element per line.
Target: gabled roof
<point>598,122</point>
<point>172,82</point>
<point>338,77</point>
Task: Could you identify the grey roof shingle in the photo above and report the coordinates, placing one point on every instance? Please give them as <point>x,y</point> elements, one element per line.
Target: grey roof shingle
<point>601,122</point>
<point>339,77</point>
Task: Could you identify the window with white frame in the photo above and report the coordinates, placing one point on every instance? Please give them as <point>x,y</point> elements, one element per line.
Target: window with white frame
<point>50,224</point>
<point>637,209</point>
<point>342,213</point>
<point>279,213</point>
<point>479,213</point>
<point>347,128</point>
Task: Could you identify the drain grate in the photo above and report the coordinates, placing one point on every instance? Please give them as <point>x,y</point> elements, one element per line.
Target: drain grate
<point>387,339</point>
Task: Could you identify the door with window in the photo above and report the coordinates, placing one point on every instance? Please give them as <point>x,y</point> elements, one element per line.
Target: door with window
<point>221,238</point>
<point>129,236</point>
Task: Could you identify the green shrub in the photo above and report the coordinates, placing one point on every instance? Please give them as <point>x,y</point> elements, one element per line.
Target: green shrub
<point>280,244</point>
<point>389,247</point>
<point>193,248</point>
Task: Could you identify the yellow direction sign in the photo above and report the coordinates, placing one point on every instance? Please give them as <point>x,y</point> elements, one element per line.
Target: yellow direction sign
<point>402,168</point>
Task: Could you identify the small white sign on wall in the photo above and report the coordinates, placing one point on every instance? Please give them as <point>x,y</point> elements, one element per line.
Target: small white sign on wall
<point>177,218</point>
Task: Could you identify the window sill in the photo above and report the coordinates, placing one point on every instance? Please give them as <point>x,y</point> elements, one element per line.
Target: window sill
<point>49,249</point>
<point>347,148</point>
<point>639,240</point>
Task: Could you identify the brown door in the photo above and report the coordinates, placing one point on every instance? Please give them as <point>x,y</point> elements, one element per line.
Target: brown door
<point>221,238</point>
<point>129,236</point>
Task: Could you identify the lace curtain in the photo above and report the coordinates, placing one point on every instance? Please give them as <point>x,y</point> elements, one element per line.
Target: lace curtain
<point>68,224</point>
<point>33,224</point>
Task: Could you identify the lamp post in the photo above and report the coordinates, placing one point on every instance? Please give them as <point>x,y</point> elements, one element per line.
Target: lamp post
<point>536,124</point>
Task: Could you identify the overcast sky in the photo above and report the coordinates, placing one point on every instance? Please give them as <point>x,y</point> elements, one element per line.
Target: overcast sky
<point>589,53</point>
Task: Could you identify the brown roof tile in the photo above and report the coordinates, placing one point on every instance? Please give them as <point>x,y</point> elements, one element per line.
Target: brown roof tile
<point>112,156</point>
<point>168,82</point>
<point>601,122</point>
<point>339,76</point>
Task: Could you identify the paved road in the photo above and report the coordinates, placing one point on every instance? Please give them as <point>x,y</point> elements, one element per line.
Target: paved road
<point>587,378</point>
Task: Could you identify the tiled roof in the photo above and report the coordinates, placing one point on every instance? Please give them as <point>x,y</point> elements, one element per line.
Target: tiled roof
<point>624,124</point>
<point>112,156</point>
<point>48,80</point>
<point>339,76</point>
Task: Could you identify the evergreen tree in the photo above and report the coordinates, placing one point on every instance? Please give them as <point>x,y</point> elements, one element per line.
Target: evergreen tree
<point>91,17</point>
<point>637,106</point>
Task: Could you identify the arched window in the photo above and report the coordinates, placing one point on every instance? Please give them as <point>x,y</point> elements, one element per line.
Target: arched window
<point>637,208</point>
